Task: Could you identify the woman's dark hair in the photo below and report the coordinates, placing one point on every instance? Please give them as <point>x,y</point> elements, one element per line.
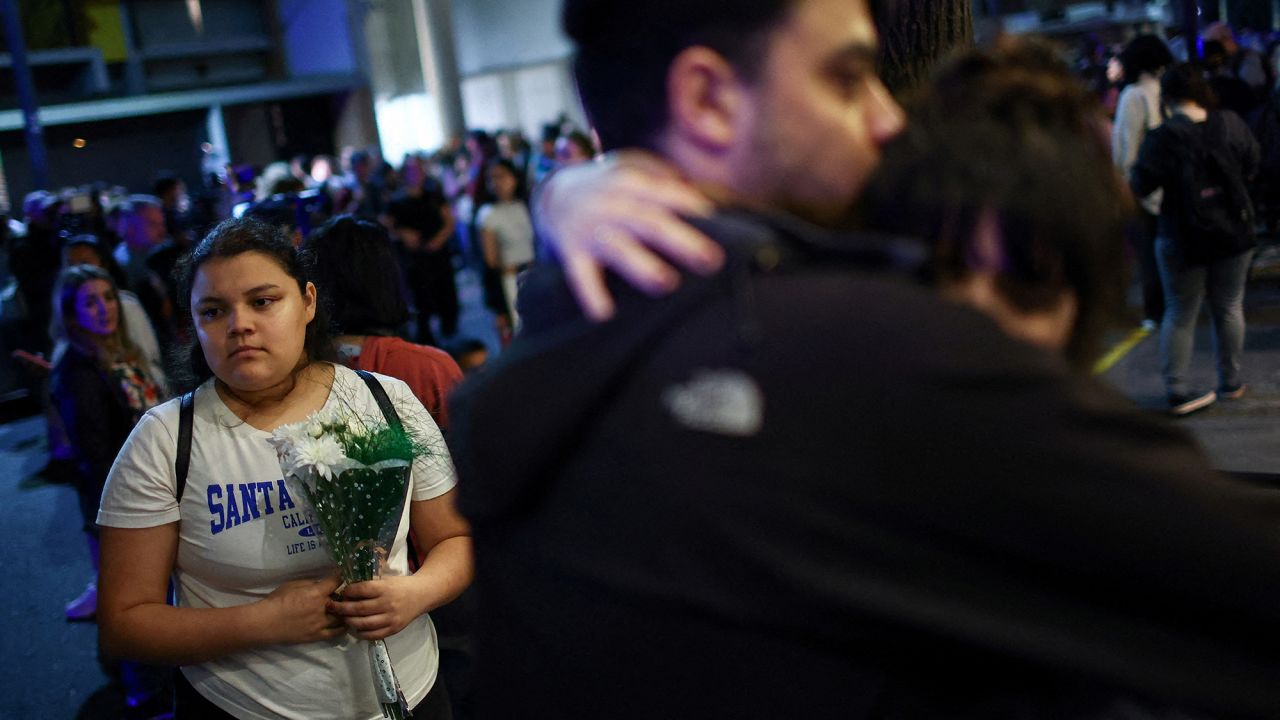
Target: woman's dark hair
<point>1144,54</point>
<point>232,238</point>
<point>511,168</point>
<point>1011,132</point>
<point>1186,81</point>
<point>357,273</point>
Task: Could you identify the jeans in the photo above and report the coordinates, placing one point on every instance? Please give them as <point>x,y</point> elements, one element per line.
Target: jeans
<point>1185,288</point>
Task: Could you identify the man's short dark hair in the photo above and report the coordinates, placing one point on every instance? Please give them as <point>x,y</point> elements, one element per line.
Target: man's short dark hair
<point>1187,81</point>
<point>625,47</point>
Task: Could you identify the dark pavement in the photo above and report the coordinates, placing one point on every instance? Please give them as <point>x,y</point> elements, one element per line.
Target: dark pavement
<point>50,670</point>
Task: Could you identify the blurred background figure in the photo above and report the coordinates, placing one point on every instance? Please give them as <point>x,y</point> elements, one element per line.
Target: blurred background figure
<point>506,232</point>
<point>101,386</point>
<point>1204,159</point>
<point>423,224</point>
<point>574,148</point>
<point>1138,110</point>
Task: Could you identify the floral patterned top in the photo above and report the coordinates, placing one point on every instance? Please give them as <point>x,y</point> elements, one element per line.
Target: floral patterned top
<point>140,391</point>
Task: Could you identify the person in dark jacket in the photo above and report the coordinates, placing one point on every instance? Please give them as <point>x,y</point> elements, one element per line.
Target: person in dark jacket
<point>101,387</point>
<point>1198,143</point>
<point>807,486</point>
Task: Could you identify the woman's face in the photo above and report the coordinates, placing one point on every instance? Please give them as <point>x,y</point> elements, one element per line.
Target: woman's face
<point>251,320</point>
<point>97,309</point>
<point>502,182</point>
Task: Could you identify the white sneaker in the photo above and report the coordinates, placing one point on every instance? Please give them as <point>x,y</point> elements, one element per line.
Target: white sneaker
<point>84,607</point>
<point>1183,405</point>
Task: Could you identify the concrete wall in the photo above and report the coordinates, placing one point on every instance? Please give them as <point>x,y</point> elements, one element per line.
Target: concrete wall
<point>515,64</point>
<point>499,34</point>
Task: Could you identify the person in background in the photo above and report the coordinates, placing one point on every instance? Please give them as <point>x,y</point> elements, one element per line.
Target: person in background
<point>423,222</point>
<point>1230,91</point>
<point>470,353</point>
<point>34,261</point>
<point>300,168</point>
<point>1139,110</point>
<point>100,386</point>
<point>1203,159</point>
<point>544,160</point>
<point>574,148</point>
<point>506,234</point>
<point>322,170</point>
<point>353,260</point>
<point>139,222</point>
<point>254,627</point>
<point>362,194</point>
<point>87,250</point>
<point>512,146</point>
<point>176,205</point>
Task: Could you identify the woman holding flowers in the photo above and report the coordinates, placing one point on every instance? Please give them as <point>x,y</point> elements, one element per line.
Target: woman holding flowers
<point>254,627</point>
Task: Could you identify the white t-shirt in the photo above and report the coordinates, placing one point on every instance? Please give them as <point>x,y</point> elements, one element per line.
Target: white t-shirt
<point>245,531</point>
<point>511,224</point>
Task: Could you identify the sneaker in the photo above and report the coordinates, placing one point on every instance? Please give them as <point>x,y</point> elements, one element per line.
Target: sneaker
<point>84,607</point>
<point>1232,392</point>
<point>1181,405</point>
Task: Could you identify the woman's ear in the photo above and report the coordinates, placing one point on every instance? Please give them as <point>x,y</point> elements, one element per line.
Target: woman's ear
<point>309,299</point>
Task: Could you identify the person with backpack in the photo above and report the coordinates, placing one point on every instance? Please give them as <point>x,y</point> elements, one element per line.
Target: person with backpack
<point>197,495</point>
<point>1203,158</point>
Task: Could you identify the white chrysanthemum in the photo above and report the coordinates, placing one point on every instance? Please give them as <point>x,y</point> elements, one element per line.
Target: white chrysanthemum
<point>285,440</point>
<point>314,429</point>
<point>288,433</point>
<point>320,454</point>
<point>327,416</point>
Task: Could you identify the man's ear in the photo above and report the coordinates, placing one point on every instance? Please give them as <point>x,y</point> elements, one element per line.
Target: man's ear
<point>705,97</point>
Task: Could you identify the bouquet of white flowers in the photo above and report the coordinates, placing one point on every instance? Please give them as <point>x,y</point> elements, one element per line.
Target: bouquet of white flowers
<point>355,473</point>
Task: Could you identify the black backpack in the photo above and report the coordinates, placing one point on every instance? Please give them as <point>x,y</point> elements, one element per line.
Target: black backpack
<point>1216,211</point>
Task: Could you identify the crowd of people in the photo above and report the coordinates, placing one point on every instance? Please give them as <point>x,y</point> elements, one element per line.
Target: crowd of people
<point>105,332</point>
<point>792,417</point>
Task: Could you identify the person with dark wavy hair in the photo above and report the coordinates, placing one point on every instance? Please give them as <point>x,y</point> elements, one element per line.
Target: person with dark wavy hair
<point>355,264</point>
<point>1005,170</point>
<point>254,625</point>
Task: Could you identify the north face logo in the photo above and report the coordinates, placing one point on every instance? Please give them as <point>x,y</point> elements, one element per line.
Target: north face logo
<point>725,402</point>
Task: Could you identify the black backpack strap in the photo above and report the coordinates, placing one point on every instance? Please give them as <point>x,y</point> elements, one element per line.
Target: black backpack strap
<point>384,402</point>
<point>186,415</point>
